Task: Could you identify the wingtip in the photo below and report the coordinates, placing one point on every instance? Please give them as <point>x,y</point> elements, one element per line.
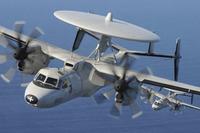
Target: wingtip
<point>156,38</point>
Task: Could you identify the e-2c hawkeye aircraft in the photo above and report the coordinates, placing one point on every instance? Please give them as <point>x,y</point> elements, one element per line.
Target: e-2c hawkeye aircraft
<point>83,76</point>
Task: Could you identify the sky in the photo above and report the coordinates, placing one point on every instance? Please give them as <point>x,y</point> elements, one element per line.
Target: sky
<point>169,19</point>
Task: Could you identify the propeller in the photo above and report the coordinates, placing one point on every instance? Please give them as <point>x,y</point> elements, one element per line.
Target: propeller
<point>3,58</point>
<point>25,80</point>
<point>124,94</point>
<point>103,97</point>
<point>9,74</point>
<point>20,48</point>
<point>21,52</point>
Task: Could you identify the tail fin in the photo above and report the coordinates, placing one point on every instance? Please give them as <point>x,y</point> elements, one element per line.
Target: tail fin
<point>177,57</point>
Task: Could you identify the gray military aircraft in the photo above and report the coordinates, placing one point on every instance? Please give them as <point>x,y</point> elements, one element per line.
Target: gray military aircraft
<point>83,76</point>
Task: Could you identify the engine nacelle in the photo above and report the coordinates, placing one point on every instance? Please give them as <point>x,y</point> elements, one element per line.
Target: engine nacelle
<point>34,62</point>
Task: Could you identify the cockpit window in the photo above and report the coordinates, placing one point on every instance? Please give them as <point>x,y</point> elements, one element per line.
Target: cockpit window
<point>51,81</point>
<point>41,77</point>
<point>65,84</point>
<point>45,82</point>
<point>157,103</point>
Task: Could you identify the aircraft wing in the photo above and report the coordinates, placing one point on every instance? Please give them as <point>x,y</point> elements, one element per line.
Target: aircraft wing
<point>162,82</point>
<point>190,106</point>
<point>105,68</point>
<point>59,53</point>
<point>174,91</point>
<point>49,49</point>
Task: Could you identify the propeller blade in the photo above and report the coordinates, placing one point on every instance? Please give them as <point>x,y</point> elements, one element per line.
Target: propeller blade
<point>109,94</point>
<point>8,76</point>
<point>3,58</point>
<point>36,33</point>
<point>146,96</point>
<point>126,60</point>
<point>136,112</point>
<point>4,42</point>
<point>116,110</point>
<point>99,98</point>
<point>19,28</point>
<point>130,96</point>
<point>24,85</point>
<point>126,63</point>
<point>25,80</point>
<point>146,72</point>
<point>103,97</point>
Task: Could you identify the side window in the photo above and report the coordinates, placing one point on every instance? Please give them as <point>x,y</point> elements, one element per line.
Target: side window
<point>51,81</point>
<point>65,84</point>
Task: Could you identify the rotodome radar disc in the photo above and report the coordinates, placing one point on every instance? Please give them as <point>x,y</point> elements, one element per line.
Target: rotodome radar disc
<point>106,25</point>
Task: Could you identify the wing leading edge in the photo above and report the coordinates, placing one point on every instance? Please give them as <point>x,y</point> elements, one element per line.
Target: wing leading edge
<point>49,49</point>
<point>148,79</point>
<point>157,81</point>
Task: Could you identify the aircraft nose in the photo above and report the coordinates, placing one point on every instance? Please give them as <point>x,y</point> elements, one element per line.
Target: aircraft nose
<point>155,107</point>
<point>31,99</point>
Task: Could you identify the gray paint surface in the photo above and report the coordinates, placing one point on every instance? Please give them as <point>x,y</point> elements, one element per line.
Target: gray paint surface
<point>169,19</point>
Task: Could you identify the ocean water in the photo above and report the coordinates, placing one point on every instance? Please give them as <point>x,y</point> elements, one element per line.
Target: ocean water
<point>170,19</point>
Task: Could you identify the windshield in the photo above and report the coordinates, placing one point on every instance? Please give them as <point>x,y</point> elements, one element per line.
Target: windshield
<point>156,103</point>
<point>41,77</point>
<point>46,82</point>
